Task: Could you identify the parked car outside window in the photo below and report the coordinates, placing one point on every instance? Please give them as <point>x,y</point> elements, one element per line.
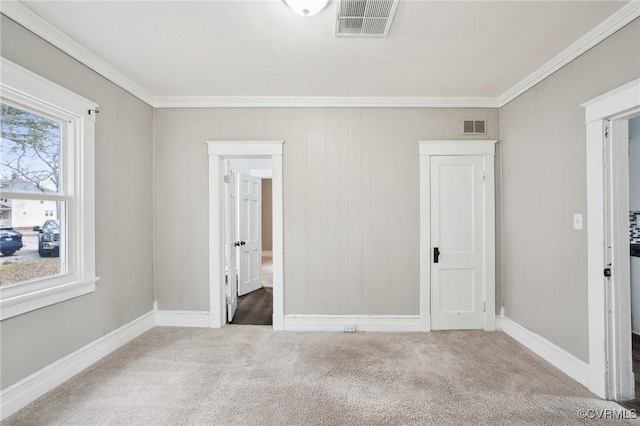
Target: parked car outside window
<point>10,241</point>
<point>49,238</point>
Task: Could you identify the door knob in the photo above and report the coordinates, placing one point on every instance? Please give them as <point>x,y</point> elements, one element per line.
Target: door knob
<point>239,243</point>
<point>436,254</point>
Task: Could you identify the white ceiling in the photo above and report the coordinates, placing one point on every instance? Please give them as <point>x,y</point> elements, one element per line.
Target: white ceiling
<point>261,48</point>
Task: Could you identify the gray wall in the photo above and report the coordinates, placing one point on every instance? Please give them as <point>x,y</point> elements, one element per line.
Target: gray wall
<point>544,182</point>
<point>351,208</point>
<point>124,157</point>
<point>267,216</point>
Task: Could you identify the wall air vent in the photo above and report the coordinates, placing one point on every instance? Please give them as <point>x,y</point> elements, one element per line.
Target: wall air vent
<point>365,18</point>
<point>474,127</point>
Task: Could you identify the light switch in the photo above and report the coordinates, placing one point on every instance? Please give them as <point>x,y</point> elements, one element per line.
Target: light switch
<point>577,221</point>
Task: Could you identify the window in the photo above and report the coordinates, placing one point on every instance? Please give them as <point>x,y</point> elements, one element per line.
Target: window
<point>46,187</point>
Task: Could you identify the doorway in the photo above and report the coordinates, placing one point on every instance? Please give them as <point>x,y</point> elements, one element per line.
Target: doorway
<point>634,244</point>
<point>607,117</point>
<point>248,240</point>
<point>222,274</point>
<point>457,235</point>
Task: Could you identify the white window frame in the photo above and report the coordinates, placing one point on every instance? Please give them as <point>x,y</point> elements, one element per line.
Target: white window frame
<point>21,87</point>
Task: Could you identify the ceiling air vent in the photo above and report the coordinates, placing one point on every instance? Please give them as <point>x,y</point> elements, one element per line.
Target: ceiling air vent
<point>365,18</point>
<point>474,127</point>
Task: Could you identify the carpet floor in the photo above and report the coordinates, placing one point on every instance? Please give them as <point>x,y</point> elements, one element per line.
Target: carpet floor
<point>250,375</point>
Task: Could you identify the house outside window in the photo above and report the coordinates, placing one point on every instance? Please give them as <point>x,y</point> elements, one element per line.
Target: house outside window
<point>47,213</point>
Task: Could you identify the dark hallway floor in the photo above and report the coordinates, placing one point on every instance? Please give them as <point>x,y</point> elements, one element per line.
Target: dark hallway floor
<point>635,404</point>
<point>255,308</point>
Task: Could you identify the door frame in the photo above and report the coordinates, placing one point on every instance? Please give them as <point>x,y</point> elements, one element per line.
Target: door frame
<point>610,368</point>
<point>218,151</point>
<point>486,149</point>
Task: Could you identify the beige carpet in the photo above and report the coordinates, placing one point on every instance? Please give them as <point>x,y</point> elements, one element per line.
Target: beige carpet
<point>267,271</point>
<point>250,375</point>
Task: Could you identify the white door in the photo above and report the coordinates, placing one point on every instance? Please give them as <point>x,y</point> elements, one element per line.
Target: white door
<point>231,287</point>
<point>457,287</point>
<point>249,234</point>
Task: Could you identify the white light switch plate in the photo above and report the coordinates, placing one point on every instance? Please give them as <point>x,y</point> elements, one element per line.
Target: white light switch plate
<point>577,221</point>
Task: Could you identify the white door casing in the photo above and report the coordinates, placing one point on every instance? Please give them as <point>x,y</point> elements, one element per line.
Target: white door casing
<point>249,233</point>
<point>457,295</point>
<point>621,378</point>
<point>217,152</point>
<point>231,280</point>
<point>610,374</point>
<point>467,267</point>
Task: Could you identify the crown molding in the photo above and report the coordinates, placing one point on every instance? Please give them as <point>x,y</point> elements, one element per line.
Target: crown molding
<point>24,16</point>
<point>34,23</point>
<point>609,26</point>
<point>322,102</point>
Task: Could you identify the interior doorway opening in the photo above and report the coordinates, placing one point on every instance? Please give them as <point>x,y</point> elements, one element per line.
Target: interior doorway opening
<point>607,117</point>
<point>223,284</point>
<point>248,240</point>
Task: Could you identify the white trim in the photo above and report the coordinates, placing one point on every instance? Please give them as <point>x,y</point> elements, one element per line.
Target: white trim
<point>613,102</point>
<point>23,88</point>
<point>609,362</point>
<point>362,322</point>
<point>609,26</point>
<point>573,367</point>
<point>242,149</point>
<point>26,300</point>
<point>217,152</point>
<point>34,23</point>
<point>19,81</point>
<point>596,293</point>
<point>322,102</point>
<point>621,370</point>
<point>456,147</point>
<point>30,388</point>
<point>182,318</point>
<point>486,149</point>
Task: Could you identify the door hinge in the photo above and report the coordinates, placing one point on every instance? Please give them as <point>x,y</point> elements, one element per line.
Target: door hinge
<point>484,306</point>
<point>227,178</point>
<point>228,300</point>
<point>484,175</point>
<point>226,279</point>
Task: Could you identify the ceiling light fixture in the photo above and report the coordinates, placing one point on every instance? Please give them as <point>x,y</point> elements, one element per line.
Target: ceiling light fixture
<point>307,8</point>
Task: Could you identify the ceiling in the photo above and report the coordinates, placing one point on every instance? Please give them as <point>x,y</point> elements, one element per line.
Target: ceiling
<point>261,48</point>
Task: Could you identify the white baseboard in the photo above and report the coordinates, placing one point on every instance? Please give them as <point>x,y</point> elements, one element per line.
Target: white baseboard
<point>362,322</point>
<point>183,319</point>
<point>278,322</point>
<point>30,388</point>
<point>573,367</point>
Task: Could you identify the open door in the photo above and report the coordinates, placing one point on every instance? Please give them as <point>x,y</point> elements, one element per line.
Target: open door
<point>231,280</point>
<point>249,231</point>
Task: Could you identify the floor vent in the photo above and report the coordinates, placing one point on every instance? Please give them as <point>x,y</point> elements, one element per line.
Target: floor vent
<point>365,18</point>
<point>474,127</point>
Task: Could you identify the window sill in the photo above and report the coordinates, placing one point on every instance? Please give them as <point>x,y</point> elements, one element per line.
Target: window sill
<point>30,301</point>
